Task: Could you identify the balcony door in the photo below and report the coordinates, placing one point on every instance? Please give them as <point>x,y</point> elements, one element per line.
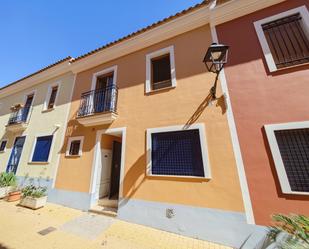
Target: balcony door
<point>102,96</point>
<point>27,107</point>
<point>15,154</point>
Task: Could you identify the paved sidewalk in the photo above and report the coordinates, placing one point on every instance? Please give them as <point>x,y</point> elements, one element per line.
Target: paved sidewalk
<point>70,228</point>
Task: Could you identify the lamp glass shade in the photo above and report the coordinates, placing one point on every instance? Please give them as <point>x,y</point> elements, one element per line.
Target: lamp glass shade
<point>216,57</point>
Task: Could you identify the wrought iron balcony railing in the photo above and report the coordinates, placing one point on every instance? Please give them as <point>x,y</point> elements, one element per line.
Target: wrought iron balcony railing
<point>19,116</point>
<point>98,101</point>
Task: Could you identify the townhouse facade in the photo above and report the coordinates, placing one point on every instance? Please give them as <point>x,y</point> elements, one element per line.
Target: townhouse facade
<point>267,77</point>
<point>132,129</point>
<point>33,117</point>
<point>146,141</point>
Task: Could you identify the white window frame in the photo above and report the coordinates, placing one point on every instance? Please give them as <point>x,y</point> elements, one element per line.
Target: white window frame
<point>50,151</point>
<point>48,95</point>
<point>105,71</point>
<point>260,33</point>
<point>203,142</point>
<point>2,151</point>
<point>70,140</point>
<point>168,50</point>
<point>275,151</point>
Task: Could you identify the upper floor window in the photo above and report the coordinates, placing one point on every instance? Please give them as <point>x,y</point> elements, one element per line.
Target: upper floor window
<point>160,69</point>
<point>42,149</point>
<point>285,38</point>
<point>289,144</point>
<point>51,97</point>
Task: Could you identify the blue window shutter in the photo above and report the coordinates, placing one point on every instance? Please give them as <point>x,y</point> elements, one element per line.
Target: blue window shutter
<point>177,153</point>
<point>42,149</point>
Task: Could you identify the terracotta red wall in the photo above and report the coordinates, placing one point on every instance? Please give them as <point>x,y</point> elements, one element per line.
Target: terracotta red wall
<point>258,98</point>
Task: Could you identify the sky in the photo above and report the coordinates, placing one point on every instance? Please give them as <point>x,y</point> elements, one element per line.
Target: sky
<point>36,33</point>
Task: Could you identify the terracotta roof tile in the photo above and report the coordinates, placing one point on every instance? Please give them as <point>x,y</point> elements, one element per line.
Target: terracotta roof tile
<point>167,19</point>
<point>37,72</point>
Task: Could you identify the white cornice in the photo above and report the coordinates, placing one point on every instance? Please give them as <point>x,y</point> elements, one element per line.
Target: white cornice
<point>155,35</point>
<point>202,16</point>
<point>237,8</point>
<point>50,73</point>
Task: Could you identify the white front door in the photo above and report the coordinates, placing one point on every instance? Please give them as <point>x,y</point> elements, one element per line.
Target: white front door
<point>104,173</point>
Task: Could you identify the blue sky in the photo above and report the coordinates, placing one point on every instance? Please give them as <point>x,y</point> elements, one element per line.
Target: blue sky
<point>36,33</point>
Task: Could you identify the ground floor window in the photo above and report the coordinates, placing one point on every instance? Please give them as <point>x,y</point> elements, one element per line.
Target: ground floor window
<point>175,151</point>
<point>289,145</point>
<point>42,149</point>
<point>75,146</point>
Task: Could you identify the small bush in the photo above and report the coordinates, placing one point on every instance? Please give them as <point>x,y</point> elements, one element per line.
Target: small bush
<point>8,179</point>
<point>293,231</point>
<point>33,191</point>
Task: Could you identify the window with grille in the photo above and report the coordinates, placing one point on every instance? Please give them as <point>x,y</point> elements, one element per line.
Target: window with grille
<point>52,97</point>
<point>3,145</point>
<point>294,149</point>
<point>177,153</point>
<point>288,40</point>
<point>42,149</point>
<point>161,72</point>
<point>74,148</point>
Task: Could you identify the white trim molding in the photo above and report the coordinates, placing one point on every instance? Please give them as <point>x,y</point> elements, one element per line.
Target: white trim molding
<point>202,134</point>
<point>105,71</point>
<point>122,131</point>
<point>164,51</point>
<point>73,139</point>
<point>48,95</point>
<point>53,135</point>
<point>303,11</point>
<point>235,142</point>
<point>275,151</point>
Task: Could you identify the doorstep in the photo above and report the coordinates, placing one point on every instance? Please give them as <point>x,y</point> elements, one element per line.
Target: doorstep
<point>108,211</point>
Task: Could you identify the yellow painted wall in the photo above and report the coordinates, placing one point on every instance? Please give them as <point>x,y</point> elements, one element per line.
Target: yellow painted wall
<point>40,123</point>
<point>139,111</point>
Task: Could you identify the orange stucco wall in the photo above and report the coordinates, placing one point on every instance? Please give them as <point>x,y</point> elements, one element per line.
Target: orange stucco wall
<point>258,98</point>
<point>139,111</point>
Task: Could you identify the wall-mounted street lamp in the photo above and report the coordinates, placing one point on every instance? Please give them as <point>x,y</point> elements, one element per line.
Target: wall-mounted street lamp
<point>215,59</point>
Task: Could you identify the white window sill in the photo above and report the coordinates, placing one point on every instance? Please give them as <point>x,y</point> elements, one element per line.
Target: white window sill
<point>289,67</point>
<point>73,156</point>
<point>38,163</point>
<point>48,110</point>
<point>161,89</point>
<point>199,178</point>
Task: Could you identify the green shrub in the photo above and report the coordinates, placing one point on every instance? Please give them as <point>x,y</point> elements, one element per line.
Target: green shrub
<point>34,191</point>
<point>295,231</point>
<point>8,179</point>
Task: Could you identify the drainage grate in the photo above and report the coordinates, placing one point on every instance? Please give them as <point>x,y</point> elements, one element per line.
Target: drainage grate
<point>47,231</point>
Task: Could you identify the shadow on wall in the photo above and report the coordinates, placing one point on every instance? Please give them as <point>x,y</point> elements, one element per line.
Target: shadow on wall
<point>206,102</point>
<point>3,246</point>
<point>137,173</point>
<point>275,176</point>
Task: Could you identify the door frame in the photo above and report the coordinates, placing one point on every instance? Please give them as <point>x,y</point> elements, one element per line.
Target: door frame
<point>97,159</point>
<point>25,136</point>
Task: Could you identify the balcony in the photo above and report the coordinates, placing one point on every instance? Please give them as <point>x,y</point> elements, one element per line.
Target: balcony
<point>98,107</point>
<point>18,120</point>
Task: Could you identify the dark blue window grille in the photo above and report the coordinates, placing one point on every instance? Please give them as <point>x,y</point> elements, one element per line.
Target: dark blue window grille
<point>294,150</point>
<point>177,153</point>
<point>42,149</point>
